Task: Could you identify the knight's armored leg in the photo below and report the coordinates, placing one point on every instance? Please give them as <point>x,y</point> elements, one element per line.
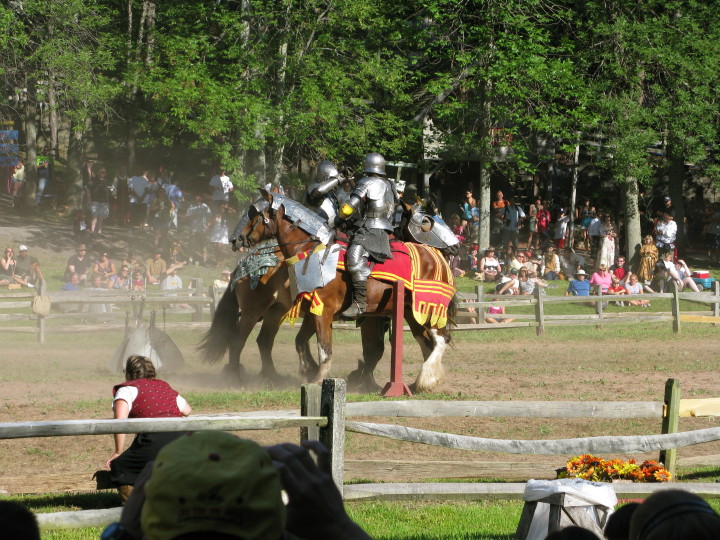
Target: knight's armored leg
<point>357,265</point>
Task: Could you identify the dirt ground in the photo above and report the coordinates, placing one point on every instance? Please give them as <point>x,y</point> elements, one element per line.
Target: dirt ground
<point>66,378</point>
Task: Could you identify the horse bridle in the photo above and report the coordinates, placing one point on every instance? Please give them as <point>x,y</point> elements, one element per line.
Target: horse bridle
<point>266,223</point>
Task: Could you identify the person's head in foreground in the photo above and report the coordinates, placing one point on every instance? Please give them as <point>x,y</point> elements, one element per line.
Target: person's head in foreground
<point>674,514</point>
<point>16,521</point>
<point>213,485</point>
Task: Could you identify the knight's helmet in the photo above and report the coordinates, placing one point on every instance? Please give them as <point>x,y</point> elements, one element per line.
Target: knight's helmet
<point>326,171</point>
<point>374,163</point>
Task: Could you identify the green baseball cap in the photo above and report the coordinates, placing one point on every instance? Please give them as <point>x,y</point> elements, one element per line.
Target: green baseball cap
<point>212,481</point>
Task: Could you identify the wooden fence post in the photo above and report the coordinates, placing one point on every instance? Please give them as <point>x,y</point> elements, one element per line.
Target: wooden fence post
<point>198,315</point>
<point>539,312</point>
<point>332,406</point>
<point>671,420</point>
<point>310,406</point>
<point>479,296</point>
<point>716,304</point>
<point>675,308</point>
<point>599,306</point>
<point>40,318</point>
<point>213,304</point>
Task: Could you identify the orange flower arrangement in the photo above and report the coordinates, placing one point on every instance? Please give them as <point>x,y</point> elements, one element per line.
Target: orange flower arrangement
<point>589,467</point>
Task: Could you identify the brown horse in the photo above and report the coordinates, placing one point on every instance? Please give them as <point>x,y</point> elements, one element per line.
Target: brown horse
<point>242,307</point>
<point>336,296</point>
<point>237,313</point>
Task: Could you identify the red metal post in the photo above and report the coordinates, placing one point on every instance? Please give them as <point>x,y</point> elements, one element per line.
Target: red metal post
<point>396,387</point>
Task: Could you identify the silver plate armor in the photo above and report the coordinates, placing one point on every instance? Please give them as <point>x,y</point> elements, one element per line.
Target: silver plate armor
<point>378,195</point>
<point>315,271</point>
<point>426,229</point>
<point>302,217</point>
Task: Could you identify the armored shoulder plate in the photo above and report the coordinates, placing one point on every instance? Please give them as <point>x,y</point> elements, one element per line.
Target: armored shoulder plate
<point>304,218</point>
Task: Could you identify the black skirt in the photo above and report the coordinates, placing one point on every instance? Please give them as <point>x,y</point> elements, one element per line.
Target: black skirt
<point>125,469</point>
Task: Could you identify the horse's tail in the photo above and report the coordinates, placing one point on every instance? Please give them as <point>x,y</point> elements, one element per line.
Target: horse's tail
<point>224,326</point>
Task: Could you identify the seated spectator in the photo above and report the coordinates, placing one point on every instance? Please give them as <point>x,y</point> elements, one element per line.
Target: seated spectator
<point>104,268</point>
<point>489,265</point>
<point>616,288</point>
<point>138,281</point>
<point>132,262</point>
<point>508,284</point>
<point>634,287</point>
<point>173,282</point>
<point>617,526</point>
<point>579,286</point>
<point>247,481</point>
<point>97,285</point>
<point>472,258</point>
<point>568,265</point>
<point>33,277</point>
<point>23,263</point>
<point>72,285</point>
<point>685,276</point>
<point>491,315</point>
<point>674,514</point>
<point>602,278</point>
<point>156,268</point>
<point>224,281</point>
<point>550,267</point>
<point>618,269</point>
<point>7,265</point>
<point>121,281</point>
<point>142,395</point>
<point>529,281</point>
<point>16,521</point>
<point>78,264</point>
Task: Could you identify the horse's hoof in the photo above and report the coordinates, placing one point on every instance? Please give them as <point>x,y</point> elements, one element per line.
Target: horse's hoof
<point>234,373</point>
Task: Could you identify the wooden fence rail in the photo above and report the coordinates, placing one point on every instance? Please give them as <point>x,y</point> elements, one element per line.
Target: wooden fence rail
<point>323,415</point>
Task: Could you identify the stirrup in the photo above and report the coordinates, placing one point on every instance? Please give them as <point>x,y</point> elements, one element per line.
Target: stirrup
<point>353,311</point>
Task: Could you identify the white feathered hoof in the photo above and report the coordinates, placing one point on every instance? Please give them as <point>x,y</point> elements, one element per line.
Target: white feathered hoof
<point>430,377</point>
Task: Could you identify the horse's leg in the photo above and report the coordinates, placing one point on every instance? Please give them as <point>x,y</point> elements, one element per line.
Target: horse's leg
<point>266,339</point>
<point>373,343</point>
<point>307,368</point>
<point>432,372</point>
<point>237,344</point>
<point>323,327</point>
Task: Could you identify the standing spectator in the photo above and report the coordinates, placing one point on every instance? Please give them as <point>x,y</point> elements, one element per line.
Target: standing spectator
<point>497,214</point>
<point>466,212</point>
<point>137,188</point>
<point>579,286</point>
<point>176,197</point>
<point>151,193</point>
<point>142,395</point>
<point>533,210</point>
<point>593,232</point>
<point>219,233</point>
<point>666,234</point>
<point>648,257</point>
<point>221,189</point>
<point>104,268</point>
<point>18,182</point>
<point>199,214</point>
<point>99,201</point>
<point>161,210</point>
<point>561,229</point>
<point>156,268</point>
<point>513,216</point>
<point>120,207</point>
<point>585,215</point>
<point>79,264</point>
<point>43,173</point>
<point>543,224</point>
<point>606,253</point>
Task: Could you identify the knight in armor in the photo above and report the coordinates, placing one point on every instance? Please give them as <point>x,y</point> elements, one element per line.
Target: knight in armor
<point>374,198</point>
<point>322,195</point>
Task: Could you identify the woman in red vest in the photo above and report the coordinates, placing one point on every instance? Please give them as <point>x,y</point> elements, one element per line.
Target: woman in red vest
<point>141,396</point>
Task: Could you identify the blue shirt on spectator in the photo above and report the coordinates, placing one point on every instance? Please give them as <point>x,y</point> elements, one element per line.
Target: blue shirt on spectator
<point>579,287</point>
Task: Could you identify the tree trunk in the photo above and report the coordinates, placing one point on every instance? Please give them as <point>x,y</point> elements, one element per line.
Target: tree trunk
<point>573,193</point>
<point>484,195</point>
<point>30,126</point>
<point>676,179</point>
<point>74,183</point>
<point>633,236</point>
